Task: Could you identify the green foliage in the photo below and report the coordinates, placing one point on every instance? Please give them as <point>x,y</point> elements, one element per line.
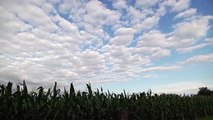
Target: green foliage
<point>207,118</point>
<point>51,104</point>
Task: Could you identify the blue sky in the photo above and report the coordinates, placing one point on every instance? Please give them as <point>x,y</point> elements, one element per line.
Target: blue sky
<point>162,45</point>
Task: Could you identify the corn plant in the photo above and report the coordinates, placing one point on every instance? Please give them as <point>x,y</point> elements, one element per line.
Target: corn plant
<point>53,104</point>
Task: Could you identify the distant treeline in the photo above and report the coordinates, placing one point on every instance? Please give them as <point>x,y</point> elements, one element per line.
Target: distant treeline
<point>205,91</point>
<point>52,104</point>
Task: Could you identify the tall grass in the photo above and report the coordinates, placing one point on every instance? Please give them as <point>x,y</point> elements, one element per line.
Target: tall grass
<point>52,104</point>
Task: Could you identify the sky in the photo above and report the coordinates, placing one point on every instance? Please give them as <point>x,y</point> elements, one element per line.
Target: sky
<point>136,45</point>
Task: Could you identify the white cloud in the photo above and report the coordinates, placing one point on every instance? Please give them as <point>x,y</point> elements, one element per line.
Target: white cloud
<point>181,5</point>
<point>8,75</point>
<point>186,14</point>
<point>75,9</point>
<point>119,4</point>
<point>153,38</point>
<point>11,24</point>
<point>123,56</point>
<point>30,14</point>
<point>92,58</point>
<point>162,68</point>
<point>192,29</point>
<point>29,51</point>
<point>199,59</point>
<point>145,3</point>
<point>66,25</point>
<point>48,7</point>
<point>191,48</point>
<point>93,39</point>
<point>87,41</point>
<point>153,52</point>
<point>65,6</point>
<point>120,61</point>
<point>150,76</point>
<point>123,36</point>
<point>168,3</point>
<point>209,40</point>
<point>188,32</point>
<point>136,16</point>
<point>148,23</point>
<point>97,14</point>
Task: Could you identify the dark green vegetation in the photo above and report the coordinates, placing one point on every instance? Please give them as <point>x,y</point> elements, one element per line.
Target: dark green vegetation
<point>207,118</point>
<point>75,105</point>
<point>205,91</point>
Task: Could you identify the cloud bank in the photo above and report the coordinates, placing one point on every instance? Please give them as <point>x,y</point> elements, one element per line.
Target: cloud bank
<point>91,41</point>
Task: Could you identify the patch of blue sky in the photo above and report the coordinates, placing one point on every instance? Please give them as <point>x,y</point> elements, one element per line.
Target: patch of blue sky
<point>125,18</point>
<point>210,31</point>
<point>130,2</point>
<point>167,22</point>
<point>107,3</point>
<point>172,59</point>
<point>66,15</point>
<point>133,42</point>
<point>204,7</point>
<point>188,73</point>
<point>201,51</point>
<point>108,29</point>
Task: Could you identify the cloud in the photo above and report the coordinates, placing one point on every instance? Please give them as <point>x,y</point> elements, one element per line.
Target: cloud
<point>209,40</point>
<point>32,16</point>
<point>136,16</point>
<point>188,32</point>
<point>191,48</point>
<point>11,24</point>
<point>199,59</point>
<point>74,11</point>
<point>186,14</point>
<point>162,68</point>
<point>148,23</point>
<point>119,4</point>
<point>123,36</point>
<point>193,29</point>
<point>65,25</point>
<point>94,41</point>
<point>150,76</point>
<point>153,38</point>
<point>181,5</point>
<point>98,14</point>
<point>7,75</point>
<point>145,3</point>
<point>65,7</point>
<point>153,52</point>
<point>123,56</point>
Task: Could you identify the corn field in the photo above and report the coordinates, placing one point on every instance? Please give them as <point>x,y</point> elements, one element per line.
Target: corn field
<point>52,104</point>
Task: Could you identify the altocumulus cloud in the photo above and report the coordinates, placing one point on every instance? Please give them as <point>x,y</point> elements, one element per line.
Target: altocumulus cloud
<point>93,41</point>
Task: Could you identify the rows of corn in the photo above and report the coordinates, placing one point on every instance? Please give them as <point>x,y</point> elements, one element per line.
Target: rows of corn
<point>53,104</point>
